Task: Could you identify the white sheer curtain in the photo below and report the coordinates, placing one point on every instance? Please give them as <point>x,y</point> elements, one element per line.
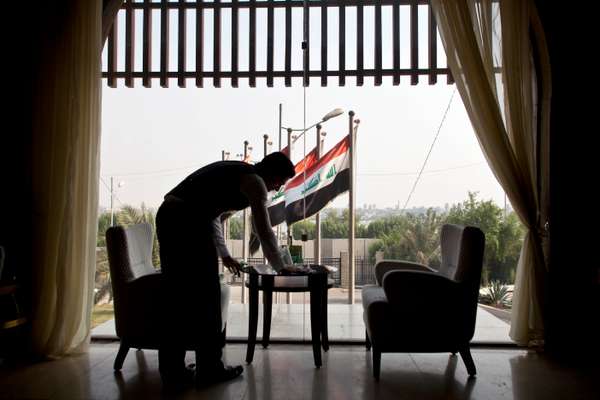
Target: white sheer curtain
<point>493,59</point>
<point>65,168</point>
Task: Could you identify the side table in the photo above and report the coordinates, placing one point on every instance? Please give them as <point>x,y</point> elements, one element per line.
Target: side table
<point>317,283</point>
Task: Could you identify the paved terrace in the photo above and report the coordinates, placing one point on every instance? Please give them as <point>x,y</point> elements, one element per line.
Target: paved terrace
<point>292,321</point>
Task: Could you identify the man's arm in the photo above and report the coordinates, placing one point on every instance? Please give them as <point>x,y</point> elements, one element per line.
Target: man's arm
<point>232,265</point>
<point>253,187</point>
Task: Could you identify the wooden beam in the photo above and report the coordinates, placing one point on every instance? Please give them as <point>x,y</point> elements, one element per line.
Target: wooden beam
<point>129,43</point>
<point>360,44</point>
<point>377,44</point>
<point>342,45</point>
<point>288,43</point>
<point>147,45</point>
<point>181,45</point>
<point>414,42</point>
<point>112,54</point>
<point>234,42</point>
<point>199,43</point>
<point>323,44</point>
<point>164,44</point>
<point>270,40</point>
<point>396,40</point>
<point>252,44</point>
<point>432,47</point>
<point>217,44</point>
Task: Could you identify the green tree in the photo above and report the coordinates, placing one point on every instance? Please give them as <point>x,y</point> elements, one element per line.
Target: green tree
<point>236,227</point>
<point>410,237</point>
<point>334,224</point>
<point>385,226</point>
<point>503,236</point>
<point>129,215</point>
<point>103,225</point>
<point>308,226</point>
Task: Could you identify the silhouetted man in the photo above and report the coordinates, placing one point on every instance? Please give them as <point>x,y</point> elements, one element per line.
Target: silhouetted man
<point>189,233</point>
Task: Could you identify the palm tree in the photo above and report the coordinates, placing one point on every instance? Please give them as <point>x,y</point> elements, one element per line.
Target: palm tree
<point>129,215</point>
<point>422,237</point>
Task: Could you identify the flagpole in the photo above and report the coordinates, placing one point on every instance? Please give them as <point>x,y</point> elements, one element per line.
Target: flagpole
<point>225,223</point>
<point>265,152</point>
<point>317,240</point>
<point>288,295</point>
<point>279,130</point>
<point>351,216</point>
<point>245,235</point>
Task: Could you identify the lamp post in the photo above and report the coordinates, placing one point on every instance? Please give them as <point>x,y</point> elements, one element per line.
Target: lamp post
<point>331,114</point>
<point>291,139</point>
<point>112,198</point>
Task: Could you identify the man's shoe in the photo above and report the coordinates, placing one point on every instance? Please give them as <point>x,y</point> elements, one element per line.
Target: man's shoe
<point>224,374</point>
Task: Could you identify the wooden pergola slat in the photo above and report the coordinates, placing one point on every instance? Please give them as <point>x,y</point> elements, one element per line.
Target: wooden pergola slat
<point>181,48</point>
<point>360,38</point>
<point>288,43</point>
<point>377,44</point>
<point>199,43</point>
<point>432,47</point>
<point>234,42</point>
<point>164,44</point>
<point>324,44</point>
<point>113,72</point>
<point>112,56</point>
<point>129,43</point>
<point>414,42</point>
<point>217,44</point>
<point>396,40</point>
<point>147,46</point>
<point>270,43</point>
<point>252,44</point>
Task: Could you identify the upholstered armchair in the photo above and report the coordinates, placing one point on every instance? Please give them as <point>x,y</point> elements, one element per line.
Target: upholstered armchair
<point>414,308</point>
<point>137,286</point>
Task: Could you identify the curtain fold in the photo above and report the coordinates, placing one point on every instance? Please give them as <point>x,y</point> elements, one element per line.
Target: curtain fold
<point>65,173</point>
<point>492,58</point>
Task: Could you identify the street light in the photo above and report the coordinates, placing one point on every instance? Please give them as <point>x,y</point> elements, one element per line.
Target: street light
<point>112,198</point>
<point>331,114</point>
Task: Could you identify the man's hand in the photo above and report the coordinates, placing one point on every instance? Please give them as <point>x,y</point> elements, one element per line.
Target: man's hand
<point>232,265</point>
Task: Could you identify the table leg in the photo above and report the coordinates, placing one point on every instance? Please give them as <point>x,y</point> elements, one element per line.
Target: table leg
<point>316,290</point>
<point>253,323</point>
<point>267,283</point>
<point>324,332</point>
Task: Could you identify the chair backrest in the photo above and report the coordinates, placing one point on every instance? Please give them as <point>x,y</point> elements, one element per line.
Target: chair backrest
<point>462,253</point>
<point>129,252</point>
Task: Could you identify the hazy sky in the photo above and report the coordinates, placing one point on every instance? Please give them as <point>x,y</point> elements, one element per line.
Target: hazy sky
<point>152,138</point>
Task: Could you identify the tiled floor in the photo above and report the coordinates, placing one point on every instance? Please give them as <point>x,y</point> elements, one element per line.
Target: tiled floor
<point>292,321</point>
<point>287,372</point>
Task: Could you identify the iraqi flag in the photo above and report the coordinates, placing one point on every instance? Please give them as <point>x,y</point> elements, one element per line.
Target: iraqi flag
<point>325,180</point>
<point>276,201</point>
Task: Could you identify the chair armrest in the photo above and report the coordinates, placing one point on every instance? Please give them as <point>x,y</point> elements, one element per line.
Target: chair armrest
<point>423,289</point>
<point>397,265</point>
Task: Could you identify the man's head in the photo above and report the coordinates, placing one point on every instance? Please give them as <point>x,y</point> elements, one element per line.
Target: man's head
<point>275,169</point>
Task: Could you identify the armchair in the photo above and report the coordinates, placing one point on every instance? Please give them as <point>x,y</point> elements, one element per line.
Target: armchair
<point>414,308</point>
<point>137,287</point>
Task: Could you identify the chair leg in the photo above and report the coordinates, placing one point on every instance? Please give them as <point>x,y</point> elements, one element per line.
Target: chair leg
<point>376,363</point>
<point>267,312</point>
<point>324,333</point>
<point>465,353</point>
<point>367,340</point>
<point>121,354</point>
<point>253,317</point>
